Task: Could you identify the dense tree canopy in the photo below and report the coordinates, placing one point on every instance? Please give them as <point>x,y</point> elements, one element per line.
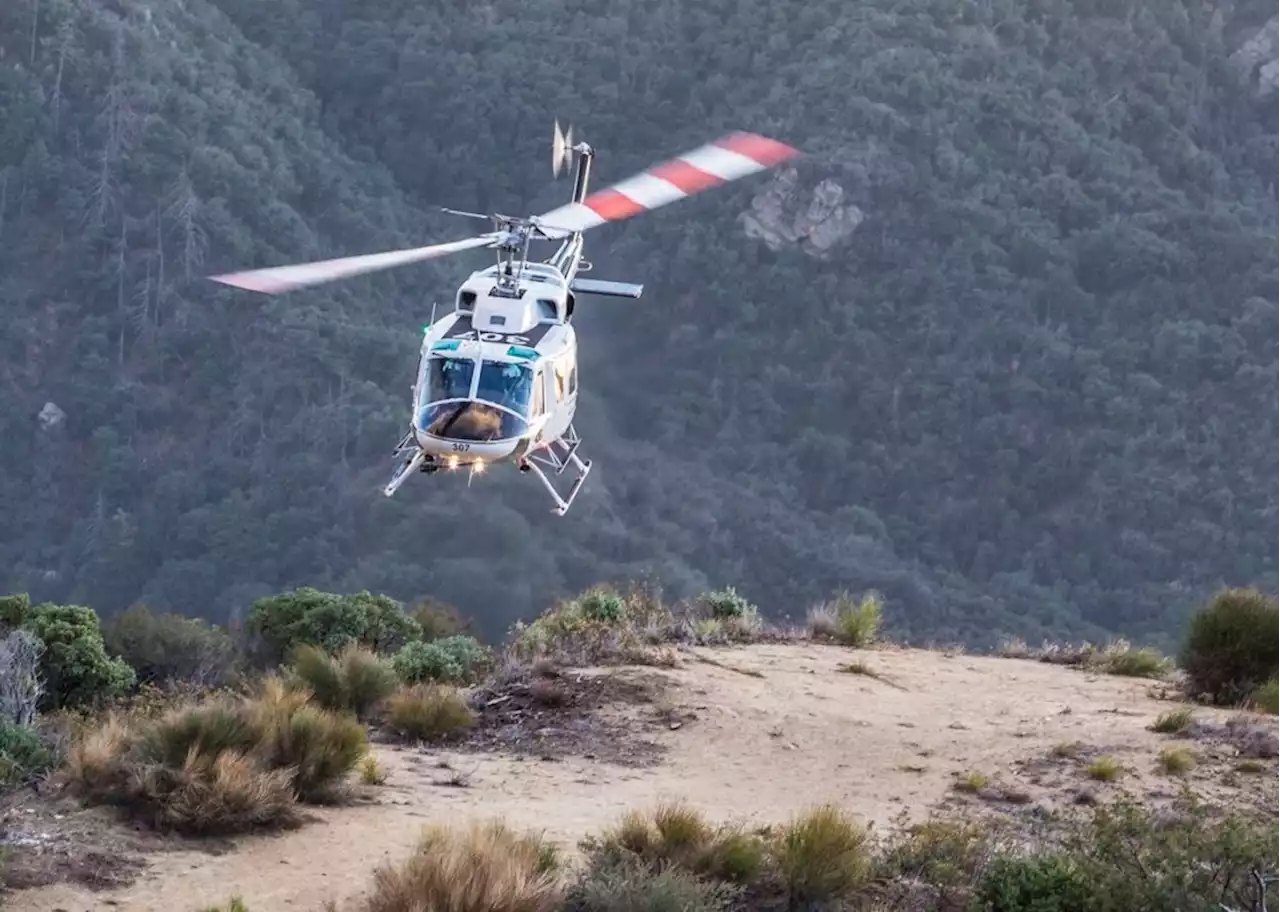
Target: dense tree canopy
<point>1034,392</point>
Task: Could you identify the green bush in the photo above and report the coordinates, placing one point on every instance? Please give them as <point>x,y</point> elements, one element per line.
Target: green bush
<point>15,609</point>
<point>453,659</point>
<point>163,648</point>
<point>634,887</point>
<point>22,754</point>
<point>1267,699</point>
<point>1233,646</point>
<point>1036,883</point>
<point>76,667</point>
<point>727,603</point>
<point>283,622</point>
<point>600,604</point>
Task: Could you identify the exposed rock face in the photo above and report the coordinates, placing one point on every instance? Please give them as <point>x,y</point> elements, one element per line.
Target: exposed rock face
<point>51,416</point>
<point>816,219</point>
<point>1257,61</point>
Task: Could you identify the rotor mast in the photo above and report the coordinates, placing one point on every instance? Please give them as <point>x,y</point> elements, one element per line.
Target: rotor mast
<point>563,151</point>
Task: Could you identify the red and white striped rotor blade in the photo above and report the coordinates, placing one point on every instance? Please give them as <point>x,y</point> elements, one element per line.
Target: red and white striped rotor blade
<point>277,279</point>
<point>727,159</point>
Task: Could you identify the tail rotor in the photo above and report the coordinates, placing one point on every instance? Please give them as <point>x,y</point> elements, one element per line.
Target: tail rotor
<point>561,149</point>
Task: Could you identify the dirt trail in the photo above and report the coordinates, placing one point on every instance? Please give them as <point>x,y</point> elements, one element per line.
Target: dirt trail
<point>766,731</point>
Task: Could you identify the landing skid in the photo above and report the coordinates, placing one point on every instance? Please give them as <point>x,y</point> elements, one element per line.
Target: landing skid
<point>418,462</point>
<point>557,456</point>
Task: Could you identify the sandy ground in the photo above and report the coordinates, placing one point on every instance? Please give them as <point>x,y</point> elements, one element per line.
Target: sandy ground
<point>765,732</point>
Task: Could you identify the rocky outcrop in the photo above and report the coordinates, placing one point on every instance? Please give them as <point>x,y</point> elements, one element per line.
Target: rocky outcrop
<point>1257,60</point>
<point>817,219</point>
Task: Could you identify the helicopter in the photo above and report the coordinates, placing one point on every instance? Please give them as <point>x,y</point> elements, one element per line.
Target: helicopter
<point>497,377</point>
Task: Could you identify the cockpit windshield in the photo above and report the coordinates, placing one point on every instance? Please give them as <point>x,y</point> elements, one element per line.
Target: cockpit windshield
<point>448,378</point>
<point>505,391</point>
<point>506,384</point>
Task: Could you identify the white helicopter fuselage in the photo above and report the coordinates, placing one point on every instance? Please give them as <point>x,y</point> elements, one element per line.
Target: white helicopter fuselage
<point>498,377</point>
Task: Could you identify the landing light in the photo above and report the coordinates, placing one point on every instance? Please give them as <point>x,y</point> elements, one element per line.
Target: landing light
<point>477,467</point>
<point>452,462</point>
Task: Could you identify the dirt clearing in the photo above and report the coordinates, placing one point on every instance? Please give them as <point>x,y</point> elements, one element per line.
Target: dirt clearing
<point>753,733</point>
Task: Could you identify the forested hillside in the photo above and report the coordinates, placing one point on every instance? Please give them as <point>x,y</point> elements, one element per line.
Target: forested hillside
<point>1029,387</point>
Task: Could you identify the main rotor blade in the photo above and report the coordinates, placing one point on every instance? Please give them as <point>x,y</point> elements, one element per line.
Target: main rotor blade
<point>277,279</point>
<point>727,159</point>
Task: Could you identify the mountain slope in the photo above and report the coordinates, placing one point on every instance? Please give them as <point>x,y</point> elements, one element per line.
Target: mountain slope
<point>1032,392</point>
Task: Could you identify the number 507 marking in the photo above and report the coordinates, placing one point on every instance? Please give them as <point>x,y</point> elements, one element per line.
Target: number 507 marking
<point>460,447</point>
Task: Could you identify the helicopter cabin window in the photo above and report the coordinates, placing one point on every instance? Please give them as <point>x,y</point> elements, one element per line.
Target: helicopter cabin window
<point>539,396</point>
<point>466,301</point>
<point>546,309</point>
<point>448,378</point>
<point>562,379</point>
<point>573,379</point>
<point>506,384</point>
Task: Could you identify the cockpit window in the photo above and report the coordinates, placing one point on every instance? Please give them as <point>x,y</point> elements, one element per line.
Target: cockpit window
<point>506,384</point>
<point>448,378</point>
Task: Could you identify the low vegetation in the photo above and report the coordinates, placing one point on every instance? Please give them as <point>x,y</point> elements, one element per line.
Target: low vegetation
<point>185,727</point>
<point>1117,856</point>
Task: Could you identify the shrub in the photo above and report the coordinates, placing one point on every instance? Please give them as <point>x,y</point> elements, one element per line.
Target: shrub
<point>823,856</point>
<point>727,603</point>
<point>1267,699</point>
<point>21,683</point>
<point>75,665</point>
<point>283,622</point>
<point>852,622</point>
<point>485,868</point>
<point>945,855</point>
<point>1134,858</point>
<point>371,772</point>
<point>15,609</point>
<point>235,904</point>
<point>601,604</point>
<point>1104,769</point>
<point>452,659</point>
<point>675,834</point>
<point>437,620</point>
<point>634,887</point>
<point>226,766</point>
<point>1176,760</point>
<point>355,680</point>
<point>1120,658</point>
<point>1232,646</point>
<point>428,712</point>
<point>22,754</point>
<point>164,648</point>
<point>319,747</point>
<point>1173,721</point>
<point>1043,883</point>
<point>216,792</point>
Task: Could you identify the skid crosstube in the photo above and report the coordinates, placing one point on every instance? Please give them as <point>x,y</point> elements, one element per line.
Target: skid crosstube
<point>558,455</point>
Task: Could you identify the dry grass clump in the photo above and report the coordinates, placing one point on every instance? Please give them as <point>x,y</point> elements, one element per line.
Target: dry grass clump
<point>674,834</point>
<point>672,857</point>
<point>227,766</point>
<point>1174,721</point>
<point>428,712</point>
<point>1118,657</point>
<point>1175,761</point>
<point>484,868</point>
<point>355,680</point>
<point>853,622</point>
<point>1104,769</point>
<point>823,856</point>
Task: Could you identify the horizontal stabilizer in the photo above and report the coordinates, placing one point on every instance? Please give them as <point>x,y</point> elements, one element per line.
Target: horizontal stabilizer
<point>611,289</point>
